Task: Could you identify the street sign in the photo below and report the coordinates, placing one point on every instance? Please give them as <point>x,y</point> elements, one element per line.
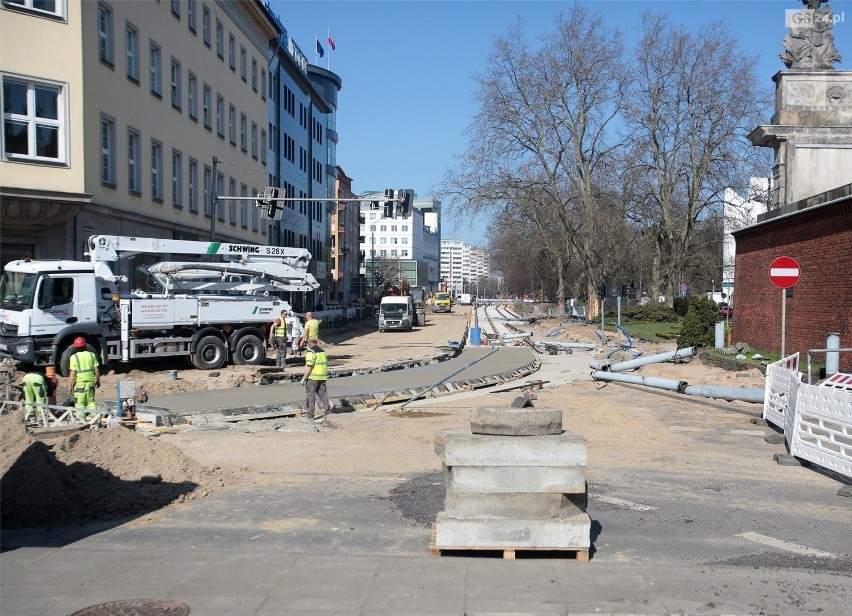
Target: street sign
<point>784,272</point>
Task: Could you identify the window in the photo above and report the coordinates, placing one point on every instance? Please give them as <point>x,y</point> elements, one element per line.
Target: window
<point>403,240</point>
<point>393,253</point>
<point>192,96</point>
<point>156,171</point>
<point>243,64</point>
<point>191,15</point>
<point>383,227</point>
<point>404,253</point>
<point>131,52</point>
<point>243,132</point>
<point>177,179</point>
<point>33,120</point>
<point>206,104</point>
<point>393,240</point>
<point>254,140</point>
<point>263,146</point>
<point>232,52</point>
<point>254,74</point>
<point>192,185</point>
<point>105,34</point>
<point>263,83</point>
<point>107,151</point>
<point>404,228</point>
<point>393,228</point>
<point>244,205</point>
<point>176,8</point>
<point>232,204</point>
<point>205,25</point>
<point>220,40</point>
<point>156,63</point>
<point>207,188</point>
<point>177,101</point>
<point>220,116</point>
<point>51,7</point>
<point>232,124</point>
<point>134,170</point>
<point>383,240</point>
<point>255,213</point>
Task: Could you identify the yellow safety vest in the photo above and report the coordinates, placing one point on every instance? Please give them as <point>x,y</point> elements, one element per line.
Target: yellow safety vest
<point>317,360</point>
<point>280,330</point>
<point>83,363</point>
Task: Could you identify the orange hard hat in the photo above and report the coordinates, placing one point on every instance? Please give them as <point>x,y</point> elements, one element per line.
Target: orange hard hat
<point>80,343</point>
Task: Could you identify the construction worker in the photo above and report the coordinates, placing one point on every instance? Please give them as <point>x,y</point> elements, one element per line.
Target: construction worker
<point>314,379</point>
<point>85,376</point>
<point>278,337</point>
<point>36,388</point>
<point>311,328</point>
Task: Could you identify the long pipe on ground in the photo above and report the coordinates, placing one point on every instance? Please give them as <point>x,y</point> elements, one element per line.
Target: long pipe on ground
<point>745,394</point>
<point>652,359</point>
<point>513,336</point>
<point>567,345</point>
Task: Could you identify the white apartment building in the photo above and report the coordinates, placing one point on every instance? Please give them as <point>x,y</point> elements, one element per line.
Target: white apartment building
<point>739,213</point>
<point>462,266</point>
<point>124,118</point>
<point>410,240</point>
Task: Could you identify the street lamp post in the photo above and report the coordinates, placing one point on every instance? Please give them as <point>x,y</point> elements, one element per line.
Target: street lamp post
<point>345,252</point>
<point>373,267</point>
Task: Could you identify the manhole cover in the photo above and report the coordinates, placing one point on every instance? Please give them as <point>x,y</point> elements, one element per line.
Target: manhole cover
<point>136,607</point>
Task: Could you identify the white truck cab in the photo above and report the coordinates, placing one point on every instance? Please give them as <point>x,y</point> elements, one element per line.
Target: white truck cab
<point>396,312</point>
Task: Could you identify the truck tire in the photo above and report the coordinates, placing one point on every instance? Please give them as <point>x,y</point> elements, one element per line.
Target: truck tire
<point>209,354</point>
<point>63,368</point>
<point>249,351</point>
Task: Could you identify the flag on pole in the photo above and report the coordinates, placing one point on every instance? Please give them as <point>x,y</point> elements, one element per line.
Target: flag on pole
<point>331,42</point>
<point>320,50</point>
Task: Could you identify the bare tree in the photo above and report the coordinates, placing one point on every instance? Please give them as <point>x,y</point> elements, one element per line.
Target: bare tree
<point>695,98</point>
<point>543,139</point>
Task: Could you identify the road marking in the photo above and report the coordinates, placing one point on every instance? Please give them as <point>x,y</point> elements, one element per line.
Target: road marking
<point>624,503</point>
<point>785,545</point>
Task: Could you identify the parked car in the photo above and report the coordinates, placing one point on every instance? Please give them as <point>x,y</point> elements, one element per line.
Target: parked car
<point>725,310</point>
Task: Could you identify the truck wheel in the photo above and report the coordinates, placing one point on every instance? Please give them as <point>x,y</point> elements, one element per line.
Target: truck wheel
<point>63,369</point>
<point>209,354</point>
<point>249,351</point>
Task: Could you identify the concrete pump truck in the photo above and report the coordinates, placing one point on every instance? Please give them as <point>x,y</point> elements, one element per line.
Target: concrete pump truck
<point>210,312</point>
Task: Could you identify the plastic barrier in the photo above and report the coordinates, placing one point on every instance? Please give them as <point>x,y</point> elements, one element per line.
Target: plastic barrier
<point>780,378</point>
<point>475,336</point>
<point>822,427</point>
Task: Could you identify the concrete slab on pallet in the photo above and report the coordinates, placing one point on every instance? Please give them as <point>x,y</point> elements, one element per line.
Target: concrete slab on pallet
<point>515,479</point>
<point>467,506</point>
<point>570,533</point>
<point>483,450</point>
<point>515,421</point>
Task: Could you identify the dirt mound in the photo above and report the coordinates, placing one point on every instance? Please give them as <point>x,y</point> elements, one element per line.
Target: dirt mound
<point>92,475</point>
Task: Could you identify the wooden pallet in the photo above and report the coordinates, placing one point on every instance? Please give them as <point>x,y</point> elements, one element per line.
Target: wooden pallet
<point>581,555</point>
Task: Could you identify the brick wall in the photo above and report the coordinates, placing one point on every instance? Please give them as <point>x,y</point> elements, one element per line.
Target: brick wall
<point>820,239</point>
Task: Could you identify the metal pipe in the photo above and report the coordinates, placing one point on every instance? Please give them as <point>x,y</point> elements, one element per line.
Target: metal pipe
<point>652,359</point>
<point>832,358</point>
<point>745,394</point>
<point>598,365</point>
<point>513,336</point>
<point>844,350</point>
<point>636,379</point>
<point>567,345</point>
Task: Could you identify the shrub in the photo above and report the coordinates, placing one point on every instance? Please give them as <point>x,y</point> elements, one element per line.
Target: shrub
<point>652,313</point>
<point>699,323</point>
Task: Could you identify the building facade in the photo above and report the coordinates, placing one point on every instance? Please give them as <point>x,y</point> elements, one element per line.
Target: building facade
<point>345,232</point>
<point>166,117</point>
<point>463,266</point>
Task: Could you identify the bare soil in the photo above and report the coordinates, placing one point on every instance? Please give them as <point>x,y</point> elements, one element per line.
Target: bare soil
<point>99,474</point>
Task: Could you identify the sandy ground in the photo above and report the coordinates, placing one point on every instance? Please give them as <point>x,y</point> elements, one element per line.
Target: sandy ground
<point>621,425</point>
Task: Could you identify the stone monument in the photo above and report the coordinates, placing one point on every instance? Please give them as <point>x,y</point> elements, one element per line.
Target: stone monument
<point>811,129</point>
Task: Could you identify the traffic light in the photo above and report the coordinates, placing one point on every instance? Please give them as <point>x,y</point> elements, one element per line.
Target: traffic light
<point>623,290</point>
<point>407,196</point>
<point>602,290</point>
<point>268,205</point>
<point>389,203</point>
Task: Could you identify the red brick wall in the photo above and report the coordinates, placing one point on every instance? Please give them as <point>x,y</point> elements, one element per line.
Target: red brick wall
<point>820,239</point>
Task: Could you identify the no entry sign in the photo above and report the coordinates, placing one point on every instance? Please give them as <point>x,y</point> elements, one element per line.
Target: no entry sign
<point>784,272</point>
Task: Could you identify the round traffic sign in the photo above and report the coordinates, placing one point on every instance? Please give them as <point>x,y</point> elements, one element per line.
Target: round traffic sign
<point>784,272</point>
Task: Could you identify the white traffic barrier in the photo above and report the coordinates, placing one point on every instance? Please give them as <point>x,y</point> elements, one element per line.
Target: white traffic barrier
<point>780,378</point>
<point>822,427</point>
<point>839,380</point>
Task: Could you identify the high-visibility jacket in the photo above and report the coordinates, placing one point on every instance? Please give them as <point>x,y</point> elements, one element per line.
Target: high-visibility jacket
<point>316,359</point>
<point>83,363</point>
<point>280,329</point>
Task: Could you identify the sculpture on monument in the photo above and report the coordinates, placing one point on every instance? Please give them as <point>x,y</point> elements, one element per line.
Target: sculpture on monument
<point>810,43</point>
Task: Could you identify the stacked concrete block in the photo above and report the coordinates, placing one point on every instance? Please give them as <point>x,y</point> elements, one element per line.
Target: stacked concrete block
<point>515,481</point>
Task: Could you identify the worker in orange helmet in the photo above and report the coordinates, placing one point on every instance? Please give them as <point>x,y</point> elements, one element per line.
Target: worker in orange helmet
<point>84,377</point>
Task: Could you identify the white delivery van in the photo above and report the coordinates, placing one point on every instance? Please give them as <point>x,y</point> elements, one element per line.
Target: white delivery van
<point>396,312</point>
<point>464,299</point>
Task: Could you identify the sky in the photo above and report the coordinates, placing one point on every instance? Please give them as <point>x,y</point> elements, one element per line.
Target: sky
<point>407,67</point>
